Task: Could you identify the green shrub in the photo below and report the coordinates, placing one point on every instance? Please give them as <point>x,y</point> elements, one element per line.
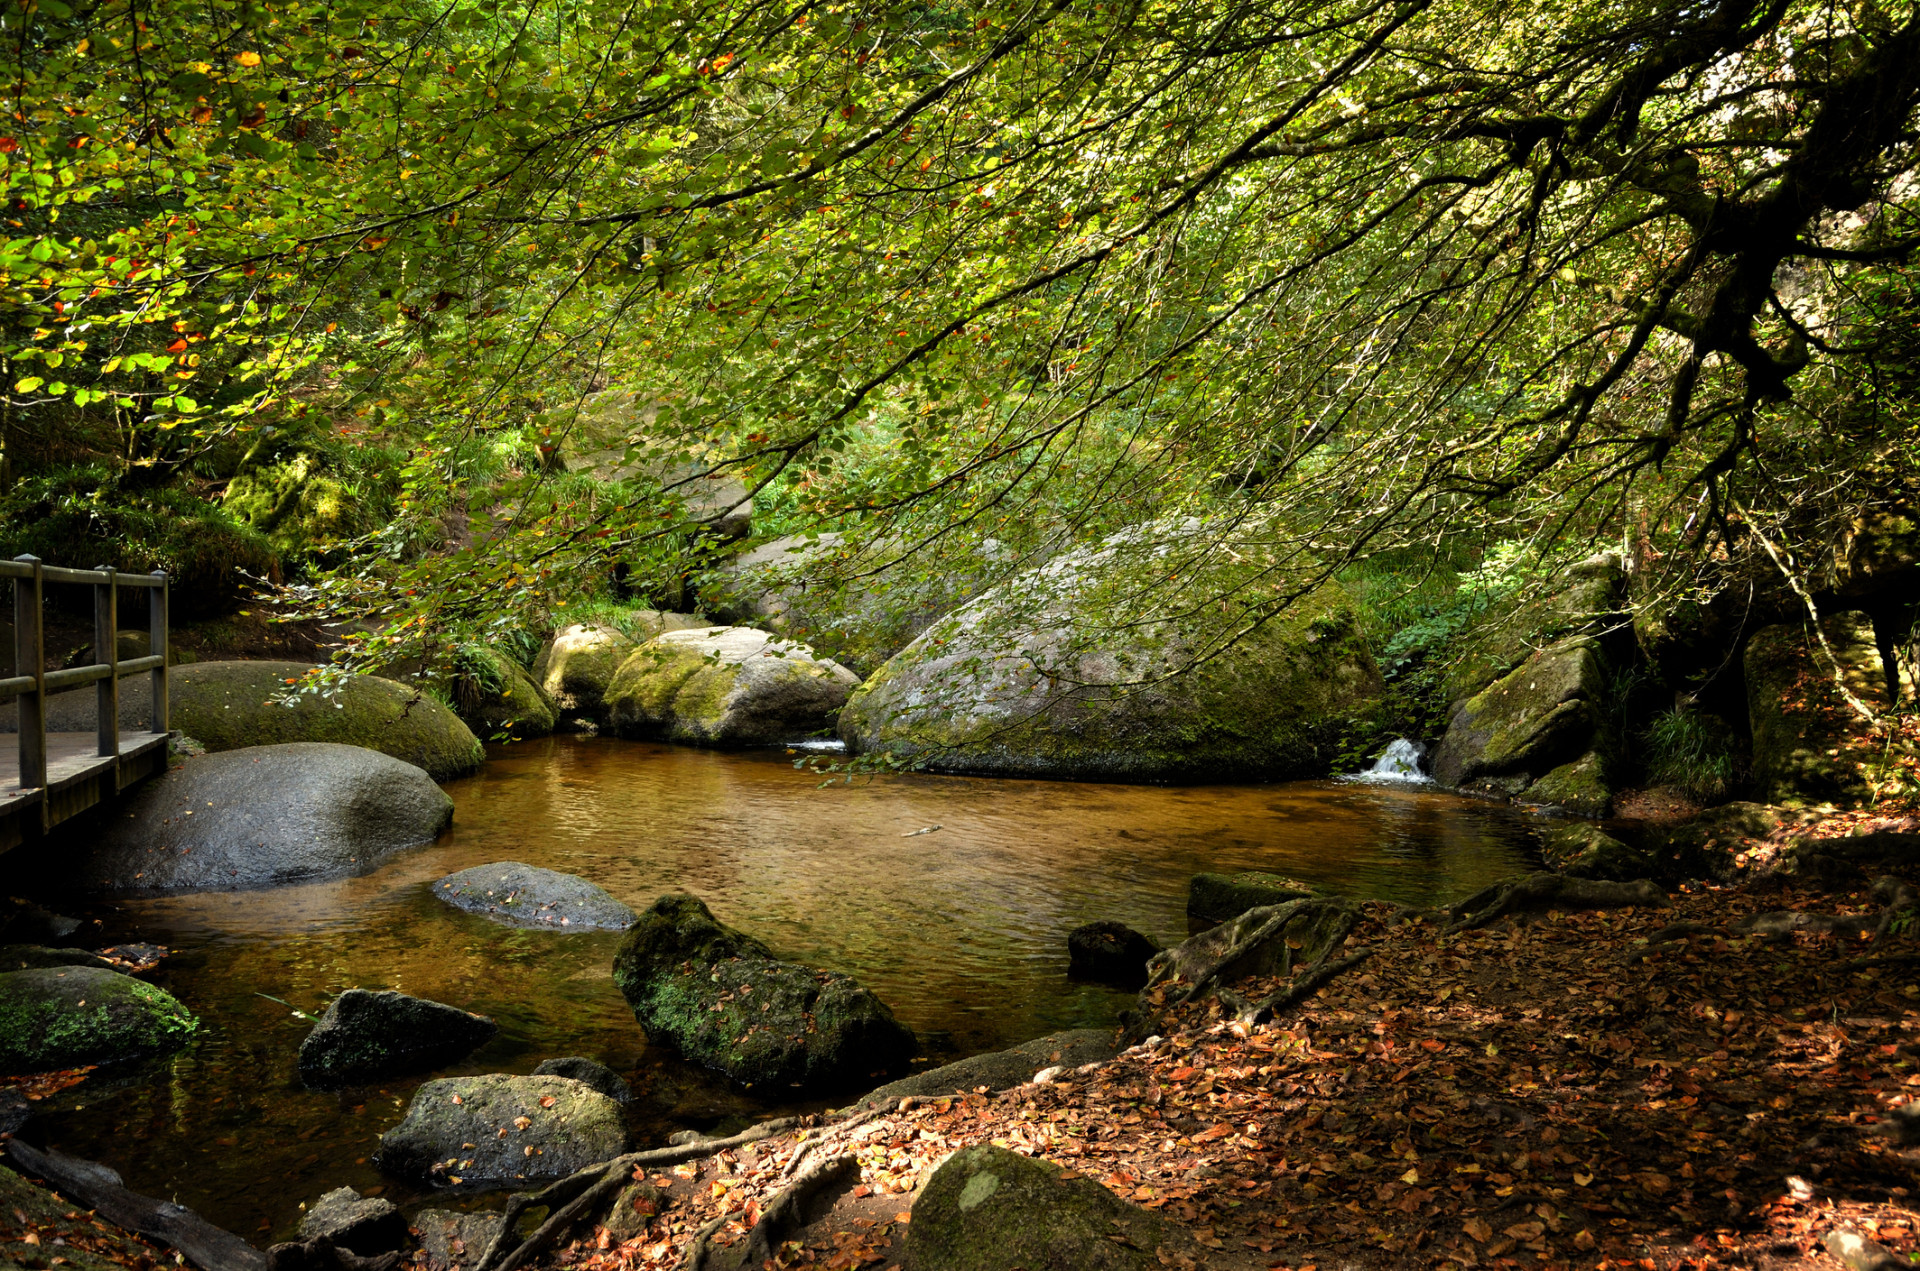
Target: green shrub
<point>1690,752</point>
<point>84,516</point>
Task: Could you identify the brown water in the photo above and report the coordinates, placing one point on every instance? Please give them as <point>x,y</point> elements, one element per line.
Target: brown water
<point>962,931</point>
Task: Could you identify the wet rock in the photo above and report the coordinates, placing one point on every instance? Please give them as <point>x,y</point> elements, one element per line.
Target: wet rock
<point>726,686</point>
<point>364,1224</point>
<point>727,1002</point>
<point>15,1110</point>
<point>1526,724</point>
<point>231,705</point>
<point>63,1017</point>
<point>1091,667</point>
<point>577,666</point>
<point>1219,897</point>
<point>527,896</point>
<point>261,817</point>
<point>987,1209</point>
<point>451,1135</point>
<point>1110,952</point>
<point>22,957</point>
<point>23,922</point>
<point>365,1036</point>
<point>454,1241</point>
<point>1001,1069</point>
<point>593,1074</point>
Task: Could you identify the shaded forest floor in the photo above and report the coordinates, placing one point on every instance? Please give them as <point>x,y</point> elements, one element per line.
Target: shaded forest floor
<point>1561,1090</point>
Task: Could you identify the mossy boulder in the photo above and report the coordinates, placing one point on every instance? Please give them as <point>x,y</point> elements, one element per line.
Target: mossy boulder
<point>452,1135</point>
<point>1587,851</point>
<point>1585,601</point>
<point>726,686</point>
<point>64,1017</point>
<point>497,697</point>
<point>988,1209</point>
<point>727,1002</point>
<point>367,1035</point>
<point>1716,843</point>
<point>1219,897</point>
<point>1810,745</point>
<point>1579,788</point>
<point>1539,716</point>
<point>1144,657</point>
<point>227,705</point>
<point>301,505</point>
<point>577,666</point>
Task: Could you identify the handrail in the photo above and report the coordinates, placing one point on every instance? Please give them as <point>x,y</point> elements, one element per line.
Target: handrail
<point>55,574</point>
<point>30,688</point>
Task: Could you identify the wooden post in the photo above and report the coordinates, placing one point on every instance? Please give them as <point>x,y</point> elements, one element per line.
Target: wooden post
<point>106,648</point>
<point>157,643</point>
<point>30,658</point>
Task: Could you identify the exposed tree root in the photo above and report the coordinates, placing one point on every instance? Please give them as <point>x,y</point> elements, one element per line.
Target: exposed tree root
<point>583,1193</point>
<point>100,1189</point>
<point>1551,891</point>
<point>1259,942</point>
<point>803,1201</point>
<point>1306,985</point>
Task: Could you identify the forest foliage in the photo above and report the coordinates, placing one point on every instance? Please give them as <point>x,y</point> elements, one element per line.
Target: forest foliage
<point>1371,274</point>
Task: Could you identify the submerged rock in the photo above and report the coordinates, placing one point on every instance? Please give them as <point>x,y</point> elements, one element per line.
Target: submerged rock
<point>1092,667</point>
<point>726,686</point>
<point>231,705</point>
<point>589,1072</point>
<point>262,817</point>
<point>1001,1069</point>
<point>1219,897</point>
<point>64,1017</point>
<point>365,1224</point>
<point>527,896</point>
<point>724,999</point>
<point>987,1209</point>
<point>451,1135</point>
<point>577,666</point>
<point>365,1036</point>
<point>1110,952</point>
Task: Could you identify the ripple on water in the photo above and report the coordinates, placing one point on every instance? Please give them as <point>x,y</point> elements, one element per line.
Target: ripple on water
<point>961,930</point>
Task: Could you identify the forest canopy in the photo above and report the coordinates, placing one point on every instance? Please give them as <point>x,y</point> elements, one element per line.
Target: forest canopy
<point>1370,275</point>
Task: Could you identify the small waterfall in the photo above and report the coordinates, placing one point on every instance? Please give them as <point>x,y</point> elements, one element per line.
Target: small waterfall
<point>1399,762</point>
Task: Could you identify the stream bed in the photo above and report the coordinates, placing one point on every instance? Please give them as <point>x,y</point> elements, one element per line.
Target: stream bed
<point>962,931</point>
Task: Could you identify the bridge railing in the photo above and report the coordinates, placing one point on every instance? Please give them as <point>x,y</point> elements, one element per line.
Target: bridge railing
<point>33,682</point>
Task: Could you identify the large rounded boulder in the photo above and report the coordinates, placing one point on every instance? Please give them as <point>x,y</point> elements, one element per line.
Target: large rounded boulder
<point>64,1017</point>
<point>496,1130</point>
<point>366,1035</point>
<point>261,817</point>
<point>726,686</point>
<point>230,705</point>
<point>1143,657</point>
<point>727,1002</point>
<point>577,666</point>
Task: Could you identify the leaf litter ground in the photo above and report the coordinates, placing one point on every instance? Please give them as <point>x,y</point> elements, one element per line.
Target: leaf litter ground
<point>1562,1091</point>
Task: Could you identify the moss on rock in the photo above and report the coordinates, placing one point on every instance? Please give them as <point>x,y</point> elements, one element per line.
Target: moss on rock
<point>1579,788</point>
<point>63,1017</point>
<point>988,1209</point>
<point>1809,744</point>
<point>1091,667</point>
<point>728,1003</point>
<point>1527,723</point>
<point>726,686</point>
<point>577,666</point>
<point>227,705</point>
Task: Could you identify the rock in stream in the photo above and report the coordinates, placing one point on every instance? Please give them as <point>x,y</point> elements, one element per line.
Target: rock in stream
<point>526,896</point>
<point>365,1036</point>
<point>452,1135</point>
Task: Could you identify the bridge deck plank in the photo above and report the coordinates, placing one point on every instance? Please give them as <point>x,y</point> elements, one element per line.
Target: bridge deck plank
<point>72,757</point>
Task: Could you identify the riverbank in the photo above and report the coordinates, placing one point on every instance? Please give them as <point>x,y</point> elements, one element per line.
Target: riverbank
<point>1567,1089</point>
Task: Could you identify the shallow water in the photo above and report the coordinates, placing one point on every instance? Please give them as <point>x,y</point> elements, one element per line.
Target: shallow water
<point>962,931</point>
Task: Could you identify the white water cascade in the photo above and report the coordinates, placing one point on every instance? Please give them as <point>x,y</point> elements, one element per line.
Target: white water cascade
<point>1398,763</point>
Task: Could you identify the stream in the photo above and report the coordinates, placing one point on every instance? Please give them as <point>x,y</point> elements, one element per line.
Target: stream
<point>961,930</point>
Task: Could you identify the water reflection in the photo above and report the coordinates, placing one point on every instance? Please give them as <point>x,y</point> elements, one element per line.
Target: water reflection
<point>962,930</point>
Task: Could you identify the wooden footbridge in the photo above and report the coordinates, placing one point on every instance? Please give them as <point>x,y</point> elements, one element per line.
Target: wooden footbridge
<point>64,773</point>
